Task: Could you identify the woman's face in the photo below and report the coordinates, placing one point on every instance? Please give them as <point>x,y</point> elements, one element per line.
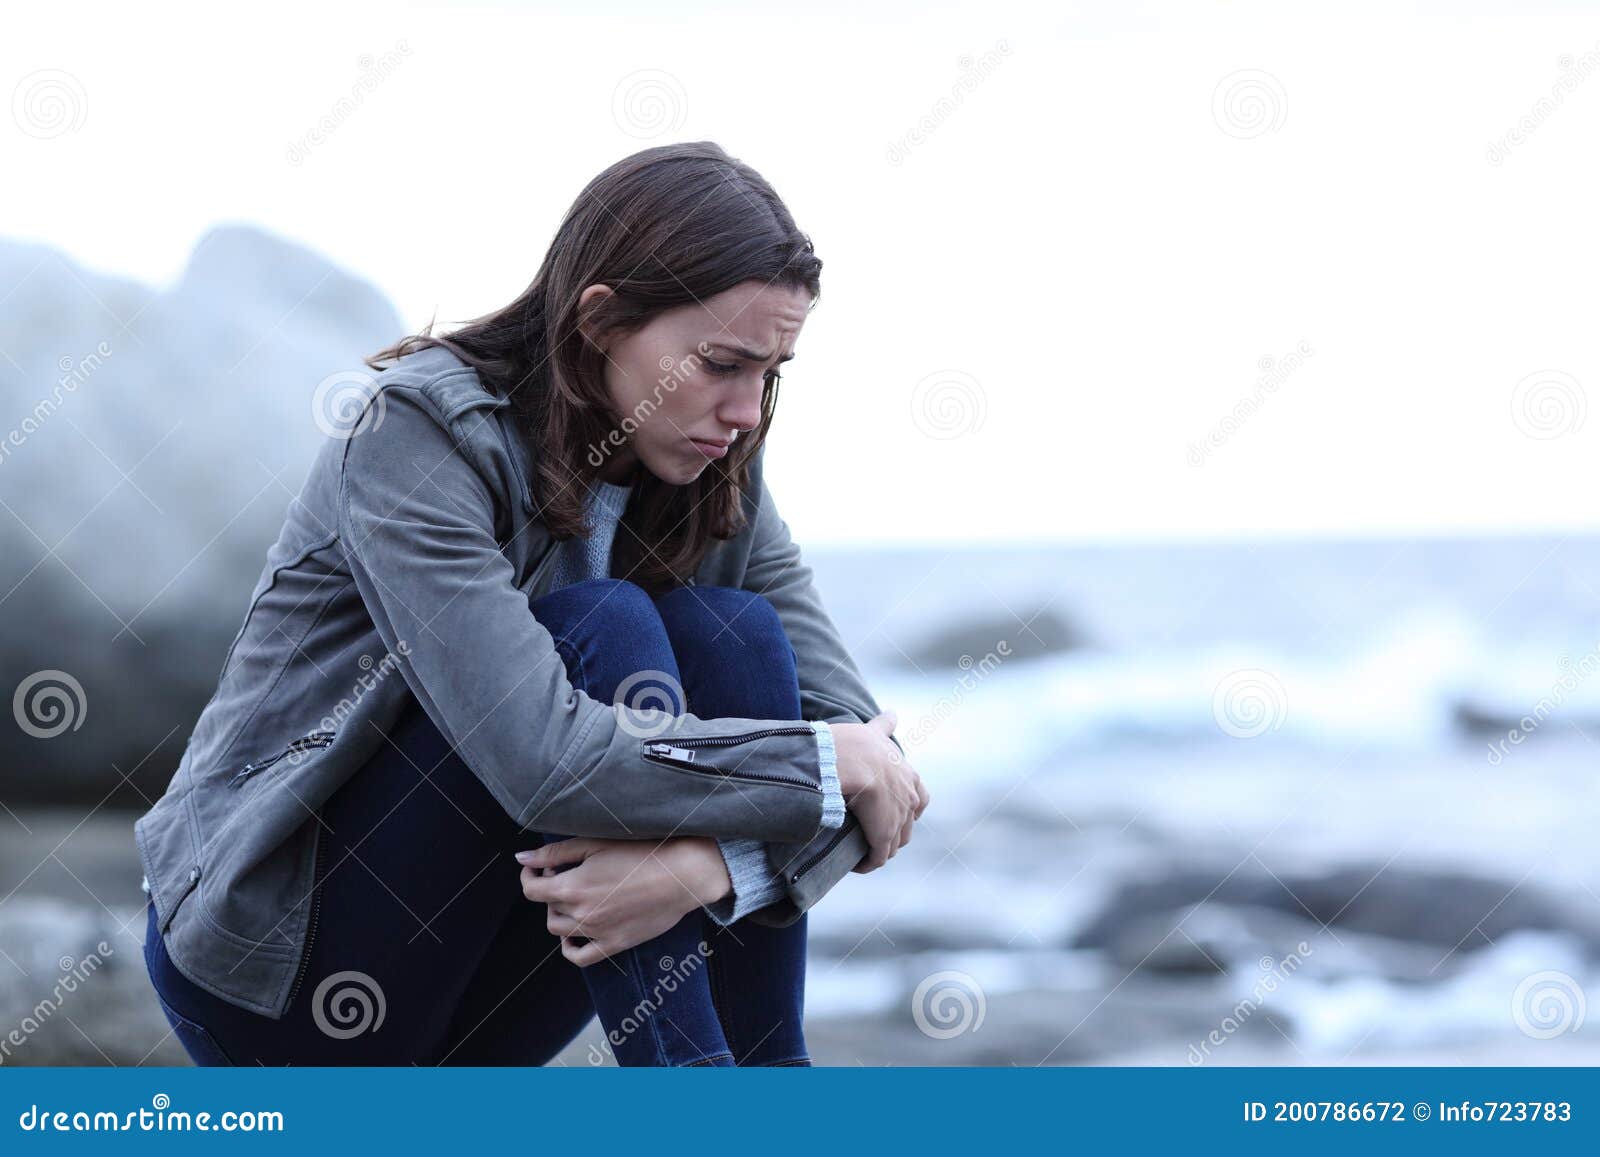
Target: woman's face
<point>689,382</point>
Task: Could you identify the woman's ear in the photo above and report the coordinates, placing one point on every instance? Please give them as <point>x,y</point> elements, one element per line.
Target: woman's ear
<point>587,300</point>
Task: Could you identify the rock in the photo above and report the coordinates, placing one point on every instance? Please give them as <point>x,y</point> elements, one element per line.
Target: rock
<point>156,437</point>
<point>75,990</point>
<point>965,644</point>
<point>1443,909</point>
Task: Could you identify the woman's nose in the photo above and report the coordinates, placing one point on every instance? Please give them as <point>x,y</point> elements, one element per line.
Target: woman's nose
<point>742,411</point>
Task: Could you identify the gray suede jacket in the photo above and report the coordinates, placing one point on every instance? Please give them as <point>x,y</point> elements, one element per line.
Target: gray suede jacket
<point>406,565</point>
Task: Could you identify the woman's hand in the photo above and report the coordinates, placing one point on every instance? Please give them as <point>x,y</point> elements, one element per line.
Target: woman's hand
<point>620,893</point>
<point>879,785</point>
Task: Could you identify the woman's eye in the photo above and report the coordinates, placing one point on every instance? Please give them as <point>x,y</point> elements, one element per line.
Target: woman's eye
<point>722,368</point>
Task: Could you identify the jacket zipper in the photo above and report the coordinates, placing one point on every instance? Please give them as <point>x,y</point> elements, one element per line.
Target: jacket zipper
<point>844,829</point>
<point>683,753</point>
<point>305,743</point>
<point>312,921</point>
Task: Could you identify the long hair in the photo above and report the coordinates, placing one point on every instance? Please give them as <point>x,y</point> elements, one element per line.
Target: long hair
<point>664,227</point>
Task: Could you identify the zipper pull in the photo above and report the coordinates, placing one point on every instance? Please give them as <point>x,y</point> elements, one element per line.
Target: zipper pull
<point>245,773</point>
<point>685,753</point>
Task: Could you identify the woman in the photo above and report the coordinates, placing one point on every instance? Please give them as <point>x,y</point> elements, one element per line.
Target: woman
<point>535,713</point>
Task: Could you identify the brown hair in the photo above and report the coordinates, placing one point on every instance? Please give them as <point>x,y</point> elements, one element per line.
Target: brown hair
<point>663,227</point>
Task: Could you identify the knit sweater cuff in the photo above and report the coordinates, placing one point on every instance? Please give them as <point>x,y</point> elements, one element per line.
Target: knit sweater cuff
<point>832,797</point>
<point>755,884</point>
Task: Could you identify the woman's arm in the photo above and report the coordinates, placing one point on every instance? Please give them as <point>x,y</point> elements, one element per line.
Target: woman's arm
<point>753,883</point>
<point>832,690</point>
<point>417,524</point>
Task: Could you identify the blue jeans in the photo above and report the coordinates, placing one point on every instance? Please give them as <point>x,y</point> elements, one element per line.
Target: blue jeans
<point>424,949</point>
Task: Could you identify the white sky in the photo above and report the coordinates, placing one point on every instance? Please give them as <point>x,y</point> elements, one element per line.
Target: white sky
<point>1080,244</point>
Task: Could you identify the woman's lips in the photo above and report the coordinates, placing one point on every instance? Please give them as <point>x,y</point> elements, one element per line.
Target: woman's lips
<point>709,449</point>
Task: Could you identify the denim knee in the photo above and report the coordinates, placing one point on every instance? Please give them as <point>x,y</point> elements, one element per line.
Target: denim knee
<point>724,616</point>
<point>733,651</point>
<point>616,602</point>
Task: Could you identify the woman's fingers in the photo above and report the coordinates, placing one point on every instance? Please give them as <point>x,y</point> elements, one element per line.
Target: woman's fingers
<point>879,842</point>
<point>554,855</point>
<point>545,889</point>
<point>561,924</point>
<point>582,954</point>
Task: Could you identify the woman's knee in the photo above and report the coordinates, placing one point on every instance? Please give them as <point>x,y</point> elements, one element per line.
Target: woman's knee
<point>733,651</point>
<point>723,617</point>
<point>611,601</point>
<point>611,637</point>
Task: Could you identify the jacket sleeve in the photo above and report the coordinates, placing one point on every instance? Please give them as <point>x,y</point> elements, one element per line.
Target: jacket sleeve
<point>832,690</point>
<point>417,525</point>
<point>756,883</point>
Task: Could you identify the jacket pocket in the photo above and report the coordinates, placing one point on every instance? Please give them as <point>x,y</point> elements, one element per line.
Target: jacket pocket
<point>700,754</point>
<point>308,742</point>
